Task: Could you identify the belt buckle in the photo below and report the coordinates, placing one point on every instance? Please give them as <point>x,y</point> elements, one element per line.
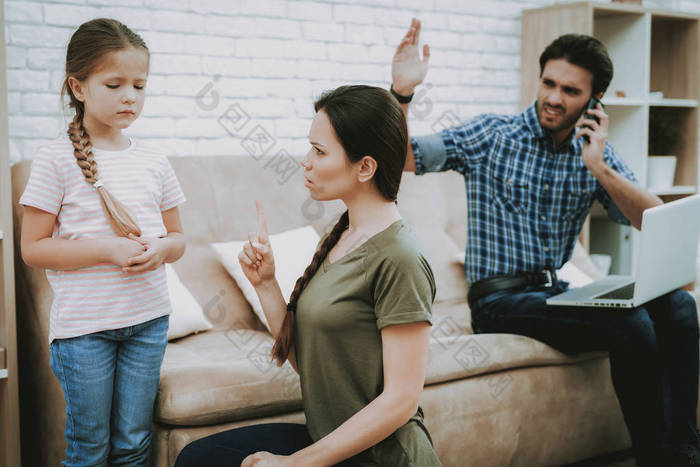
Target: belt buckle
<point>548,275</point>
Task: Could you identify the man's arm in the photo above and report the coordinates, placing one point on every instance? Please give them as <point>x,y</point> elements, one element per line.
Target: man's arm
<point>408,70</point>
<point>410,165</point>
<point>630,198</point>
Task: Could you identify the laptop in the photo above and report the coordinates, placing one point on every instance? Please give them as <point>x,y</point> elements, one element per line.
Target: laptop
<point>666,260</point>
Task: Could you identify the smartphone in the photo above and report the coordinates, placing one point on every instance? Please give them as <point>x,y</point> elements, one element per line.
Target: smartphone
<point>592,103</point>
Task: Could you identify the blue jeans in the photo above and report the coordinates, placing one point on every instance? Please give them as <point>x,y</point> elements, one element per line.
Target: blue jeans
<point>653,355</point>
<point>110,380</point>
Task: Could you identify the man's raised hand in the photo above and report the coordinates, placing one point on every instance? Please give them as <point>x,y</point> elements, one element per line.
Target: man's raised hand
<point>408,69</point>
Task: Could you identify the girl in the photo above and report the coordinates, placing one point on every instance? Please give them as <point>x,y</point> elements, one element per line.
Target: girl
<point>101,217</point>
<point>357,324</point>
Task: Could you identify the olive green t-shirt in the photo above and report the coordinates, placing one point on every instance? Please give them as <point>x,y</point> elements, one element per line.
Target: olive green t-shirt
<point>339,316</point>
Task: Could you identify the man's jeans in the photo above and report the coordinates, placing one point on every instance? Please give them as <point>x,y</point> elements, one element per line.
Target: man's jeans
<point>653,354</point>
<point>110,380</point>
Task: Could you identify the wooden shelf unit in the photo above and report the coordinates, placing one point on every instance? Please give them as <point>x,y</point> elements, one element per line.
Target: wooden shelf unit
<point>652,51</point>
<point>9,395</point>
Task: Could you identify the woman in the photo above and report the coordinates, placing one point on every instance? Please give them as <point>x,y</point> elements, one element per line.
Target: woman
<point>357,324</point>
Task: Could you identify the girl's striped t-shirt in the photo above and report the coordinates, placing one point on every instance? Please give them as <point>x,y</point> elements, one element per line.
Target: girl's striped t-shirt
<point>102,297</point>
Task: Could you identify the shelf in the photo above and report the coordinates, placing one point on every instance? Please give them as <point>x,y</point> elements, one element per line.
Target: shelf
<point>673,103</point>
<point>674,190</point>
<point>623,101</point>
<point>624,35</point>
<point>675,69</point>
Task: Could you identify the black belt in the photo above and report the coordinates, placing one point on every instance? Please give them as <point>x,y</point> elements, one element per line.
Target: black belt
<point>544,278</point>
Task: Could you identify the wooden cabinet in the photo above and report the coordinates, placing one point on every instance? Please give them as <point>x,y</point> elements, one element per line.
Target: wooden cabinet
<point>656,60</point>
<point>9,400</point>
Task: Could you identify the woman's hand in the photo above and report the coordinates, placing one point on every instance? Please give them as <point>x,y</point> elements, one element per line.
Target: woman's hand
<point>256,257</point>
<point>153,256</point>
<point>265,459</point>
<point>408,70</point>
<point>121,249</point>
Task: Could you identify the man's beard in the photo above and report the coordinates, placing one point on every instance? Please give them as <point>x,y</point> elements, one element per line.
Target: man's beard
<point>567,122</point>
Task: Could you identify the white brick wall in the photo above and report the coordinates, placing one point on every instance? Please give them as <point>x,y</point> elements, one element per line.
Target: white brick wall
<point>272,57</point>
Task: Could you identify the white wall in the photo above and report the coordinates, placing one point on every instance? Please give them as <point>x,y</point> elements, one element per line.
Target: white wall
<point>266,59</point>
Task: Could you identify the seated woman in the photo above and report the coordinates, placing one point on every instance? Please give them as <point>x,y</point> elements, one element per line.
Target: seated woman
<point>357,325</point>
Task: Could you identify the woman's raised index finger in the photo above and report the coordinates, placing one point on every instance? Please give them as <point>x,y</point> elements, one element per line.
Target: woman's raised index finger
<point>262,224</point>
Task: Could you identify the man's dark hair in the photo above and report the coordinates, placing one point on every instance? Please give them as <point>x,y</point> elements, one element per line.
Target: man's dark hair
<point>584,51</point>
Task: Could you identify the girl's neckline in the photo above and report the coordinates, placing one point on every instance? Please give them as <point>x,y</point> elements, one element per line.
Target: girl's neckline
<point>129,148</point>
<point>393,226</point>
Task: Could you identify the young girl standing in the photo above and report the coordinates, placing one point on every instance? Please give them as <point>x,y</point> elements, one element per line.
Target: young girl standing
<point>101,217</point>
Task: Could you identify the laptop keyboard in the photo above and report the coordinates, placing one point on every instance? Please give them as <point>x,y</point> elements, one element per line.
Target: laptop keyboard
<point>623,293</point>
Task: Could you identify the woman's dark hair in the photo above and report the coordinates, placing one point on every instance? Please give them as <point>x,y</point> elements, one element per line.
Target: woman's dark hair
<point>368,122</point>
<point>584,51</point>
<point>88,46</point>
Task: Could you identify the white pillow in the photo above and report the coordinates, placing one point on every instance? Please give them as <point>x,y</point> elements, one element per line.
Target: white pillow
<point>293,251</point>
<point>573,275</point>
<point>187,316</point>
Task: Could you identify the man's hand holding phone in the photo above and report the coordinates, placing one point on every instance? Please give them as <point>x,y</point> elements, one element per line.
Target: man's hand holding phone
<point>593,128</point>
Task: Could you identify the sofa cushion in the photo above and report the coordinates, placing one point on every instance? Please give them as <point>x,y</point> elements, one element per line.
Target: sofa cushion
<point>456,356</point>
<point>429,210</point>
<point>187,316</point>
<point>222,376</point>
<point>451,319</point>
<point>293,251</point>
<point>222,301</point>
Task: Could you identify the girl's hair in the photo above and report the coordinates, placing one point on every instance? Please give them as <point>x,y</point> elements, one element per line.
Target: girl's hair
<point>368,122</point>
<point>88,46</point>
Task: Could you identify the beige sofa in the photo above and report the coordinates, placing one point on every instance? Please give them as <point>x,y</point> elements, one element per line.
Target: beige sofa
<point>489,400</point>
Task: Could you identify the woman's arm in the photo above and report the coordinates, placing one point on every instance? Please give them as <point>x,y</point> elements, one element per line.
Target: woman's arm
<point>275,307</point>
<point>40,250</point>
<point>398,402</point>
<point>258,264</point>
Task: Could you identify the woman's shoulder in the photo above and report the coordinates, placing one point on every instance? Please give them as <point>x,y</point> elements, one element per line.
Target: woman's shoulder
<point>399,247</point>
<point>399,240</point>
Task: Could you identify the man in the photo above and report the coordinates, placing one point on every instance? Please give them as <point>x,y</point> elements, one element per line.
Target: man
<point>531,180</point>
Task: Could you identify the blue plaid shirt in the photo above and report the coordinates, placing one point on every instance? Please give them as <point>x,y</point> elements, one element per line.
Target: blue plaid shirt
<point>527,199</point>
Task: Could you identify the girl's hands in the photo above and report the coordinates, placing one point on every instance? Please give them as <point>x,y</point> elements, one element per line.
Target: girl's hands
<point>153,255</point>
<point>121,249</point>
<point>256,257</point>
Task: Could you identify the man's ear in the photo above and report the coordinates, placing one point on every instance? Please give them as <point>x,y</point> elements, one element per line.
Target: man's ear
<point>76,88</point>
<point>598,96</point>
<point>367,167</point>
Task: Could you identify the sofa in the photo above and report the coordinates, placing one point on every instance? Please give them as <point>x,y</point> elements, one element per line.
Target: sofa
<point>489,400</point>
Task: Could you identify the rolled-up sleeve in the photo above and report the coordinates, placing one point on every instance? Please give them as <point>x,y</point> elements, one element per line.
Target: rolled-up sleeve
<point>615,162</point>
<point>459,147</point>
<point>429,152</point>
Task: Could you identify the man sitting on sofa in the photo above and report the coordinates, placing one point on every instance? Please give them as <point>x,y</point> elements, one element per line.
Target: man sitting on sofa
<point>531,180</point>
